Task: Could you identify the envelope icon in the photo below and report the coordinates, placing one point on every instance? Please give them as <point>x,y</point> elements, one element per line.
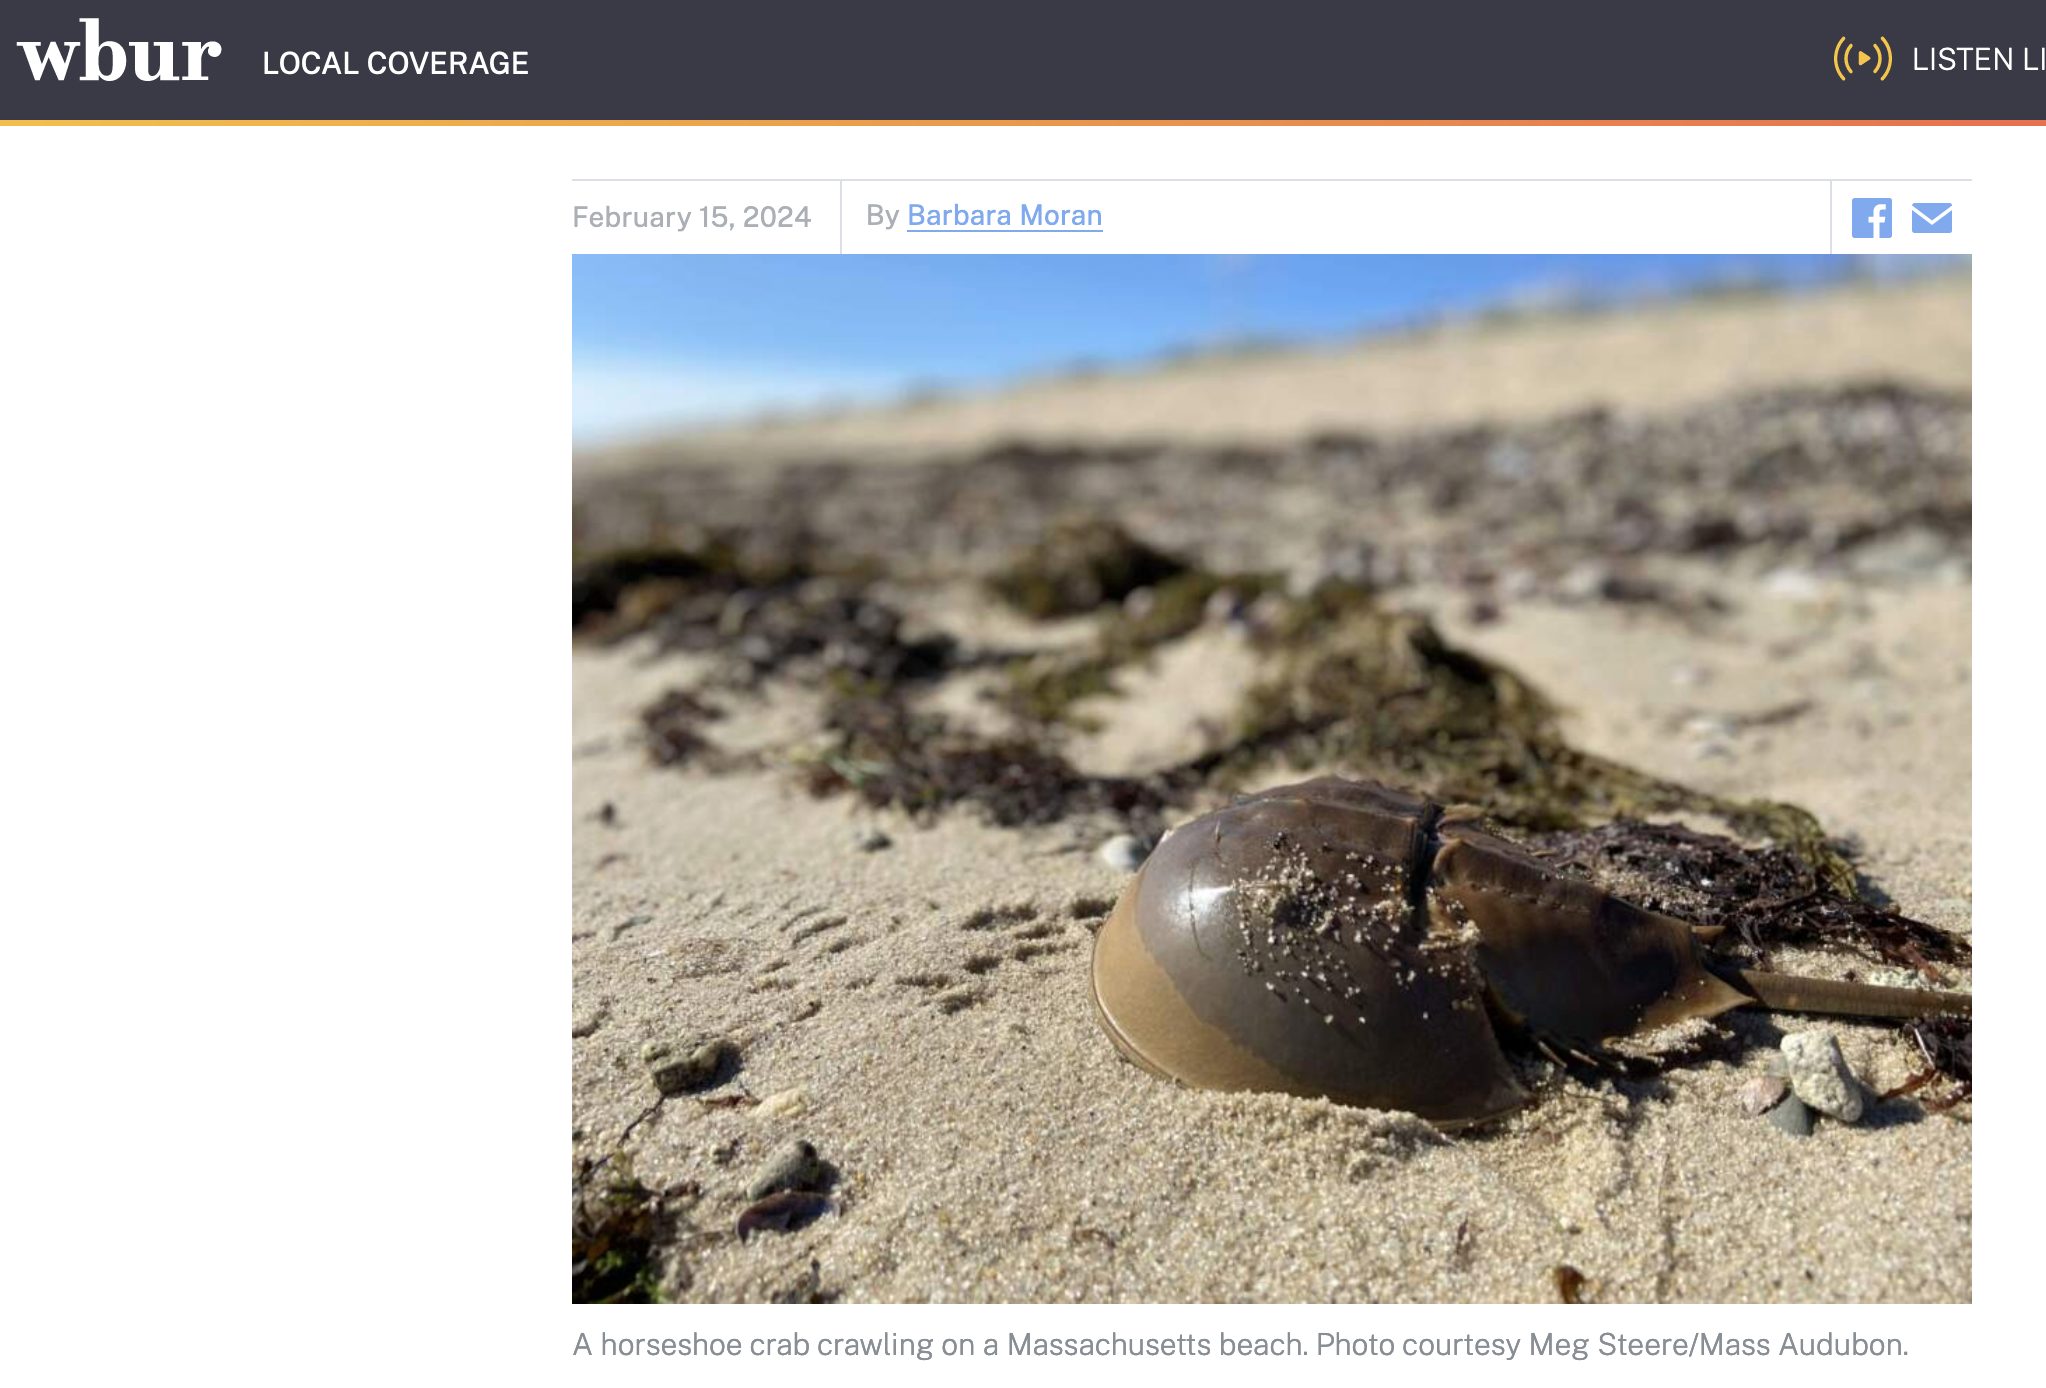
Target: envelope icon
<point>1933,217</point>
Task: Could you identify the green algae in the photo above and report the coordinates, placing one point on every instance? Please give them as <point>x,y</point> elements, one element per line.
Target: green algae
<point>621,1233</point>
<point>1381,695</point>
<point>1045,689</point>
<point>1080,564</point>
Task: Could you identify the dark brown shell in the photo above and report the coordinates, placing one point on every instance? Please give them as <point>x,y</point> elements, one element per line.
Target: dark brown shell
<point>1340,938</point>
<point>1560,957</point>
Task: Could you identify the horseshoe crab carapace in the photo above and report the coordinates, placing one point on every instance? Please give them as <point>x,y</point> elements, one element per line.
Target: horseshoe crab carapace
<point>1341,938</point>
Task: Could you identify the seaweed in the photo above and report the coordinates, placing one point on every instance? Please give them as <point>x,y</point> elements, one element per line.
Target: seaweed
<point>1557,507</point>
<point>601,584</point>
<point>1380,694</point>
<point>672,726</point>
<point>1948,1045</point>
<point>824,629</point>
<point>1350,686</point>
<point>620,1230</point>
<point>918,762</point>
<point>622,592</point>
<point>1353,687</point>
<point>820,633</point>
<point>1044,688</point>
<point>1078,565</point>
<point>1766,898</point>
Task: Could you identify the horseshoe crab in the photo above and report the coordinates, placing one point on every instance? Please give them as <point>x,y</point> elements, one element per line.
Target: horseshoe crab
<point>1345,939</point>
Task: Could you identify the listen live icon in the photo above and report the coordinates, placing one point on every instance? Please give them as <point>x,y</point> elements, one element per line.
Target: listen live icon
<point>1876,60</point>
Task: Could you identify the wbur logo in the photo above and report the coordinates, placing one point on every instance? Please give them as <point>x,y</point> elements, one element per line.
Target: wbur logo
<point>1848,59</point>
<point>105,60</point>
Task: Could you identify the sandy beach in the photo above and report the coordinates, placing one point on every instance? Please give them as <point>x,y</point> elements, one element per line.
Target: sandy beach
<point>909,991</point>
<point>1456,373</point>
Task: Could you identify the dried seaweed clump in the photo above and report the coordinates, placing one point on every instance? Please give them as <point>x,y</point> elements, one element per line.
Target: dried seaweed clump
<point>1767,898</point>
<point>1381,695</point>
<point>622,592</point>
<point>673,726</point>
<point>1079,565</point>
<point>600,585</point>
<point>918,762</point>
<point>760,611</point>
<point>619,1229</point>
<point>1948,1045</point>
<point>760,614</point>
<point>820,630</point>
<point>1043,688</point>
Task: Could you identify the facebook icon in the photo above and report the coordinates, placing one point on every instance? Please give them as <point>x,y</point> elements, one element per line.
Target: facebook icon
<point>1871,218</point>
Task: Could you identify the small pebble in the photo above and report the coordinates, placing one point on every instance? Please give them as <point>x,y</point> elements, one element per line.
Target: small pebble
<point>871,840</point>
<point>1792,1116</point>
<point>1709,725</point>
<point>1586,581</point>
<point>1224,605</point>
<point>1124,852</point>
<point>793,1167</point>
<point>791,1209</point>
<point>1796,585</point>
<point>678,1073</point>
<point>1819,1075</point>
<point>788,1103</point>
<point>1763,1093</point>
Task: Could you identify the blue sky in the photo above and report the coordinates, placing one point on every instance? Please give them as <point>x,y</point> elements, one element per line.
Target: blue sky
<point>670,341</point>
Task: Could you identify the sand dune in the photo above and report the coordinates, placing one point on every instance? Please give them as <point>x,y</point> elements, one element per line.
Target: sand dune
<point>1655,359</point>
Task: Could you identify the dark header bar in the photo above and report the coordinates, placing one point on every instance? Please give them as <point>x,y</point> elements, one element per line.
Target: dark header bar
<point>1312,60</point>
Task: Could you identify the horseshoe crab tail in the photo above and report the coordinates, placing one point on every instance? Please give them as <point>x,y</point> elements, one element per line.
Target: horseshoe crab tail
<point>1790,993</point>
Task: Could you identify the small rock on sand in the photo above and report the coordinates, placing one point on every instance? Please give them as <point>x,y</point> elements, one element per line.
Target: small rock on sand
<point>692,1067</point>
<point>1762,1093</point>
<point>870,840</point>
<point>793,1167</point>
<point>786,1103</point>
<point>1792,1116</point>
<point>1124,852</point>
<point>1819,1075</point>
